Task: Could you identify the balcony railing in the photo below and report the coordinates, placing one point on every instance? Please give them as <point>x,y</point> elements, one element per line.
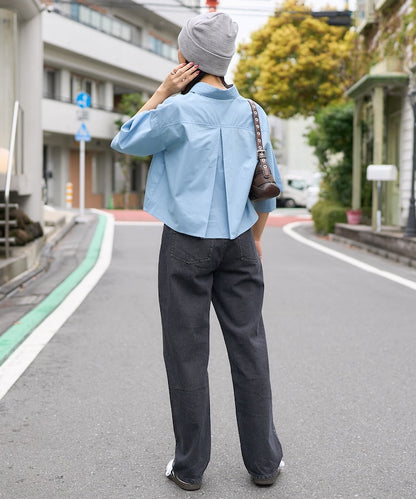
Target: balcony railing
<point>94,105</point>
<point>116,28</point>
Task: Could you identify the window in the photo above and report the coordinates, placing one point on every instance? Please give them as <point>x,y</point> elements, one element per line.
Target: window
<point>116,29</point>
<point>299,184</point>
<point>80,84</point>
<point>121,29</point>
<point>106,25</point>
<point>365,14</point>
<point>84,15</point>
<point>87,86</point>
<point>101,22</point>
<point>96,19</point>
<point>49,83</point>
<point>161,48</point>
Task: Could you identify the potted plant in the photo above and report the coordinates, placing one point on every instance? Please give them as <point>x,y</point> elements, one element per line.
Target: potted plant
<point>354,217</point>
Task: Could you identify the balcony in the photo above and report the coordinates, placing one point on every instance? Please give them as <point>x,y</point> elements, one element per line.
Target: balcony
<point>62,118</point>
<point>383,4</point>
<point>71,37</point>
<point>366,16</point>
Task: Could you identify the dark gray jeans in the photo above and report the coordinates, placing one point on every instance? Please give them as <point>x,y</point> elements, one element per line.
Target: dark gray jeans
<point>193,272</point>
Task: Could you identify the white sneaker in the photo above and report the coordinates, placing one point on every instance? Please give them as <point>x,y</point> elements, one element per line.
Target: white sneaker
<point>169,467</point>
<point>270,481</point>
<point>180,483</point>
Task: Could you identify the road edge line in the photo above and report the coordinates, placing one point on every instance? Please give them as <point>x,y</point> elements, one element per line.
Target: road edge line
<point>138,223</point>
<point>289,229</point>
<point>18,361</point>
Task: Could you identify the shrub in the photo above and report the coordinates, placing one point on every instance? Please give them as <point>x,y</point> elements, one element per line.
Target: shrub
<point>331,138</point>
<point>325,214</point>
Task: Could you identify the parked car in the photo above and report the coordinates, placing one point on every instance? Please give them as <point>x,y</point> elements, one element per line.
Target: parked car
<point>294,191</point>
<point>312,192</point>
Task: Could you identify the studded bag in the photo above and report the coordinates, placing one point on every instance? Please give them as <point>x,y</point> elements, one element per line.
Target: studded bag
<point>263,185</point>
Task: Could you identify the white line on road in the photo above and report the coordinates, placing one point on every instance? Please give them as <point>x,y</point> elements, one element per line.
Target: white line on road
<point>20,359</point>
<point>290,231</point>
<point>151,224</point>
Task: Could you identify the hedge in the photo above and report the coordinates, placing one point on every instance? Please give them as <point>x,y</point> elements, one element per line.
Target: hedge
<point>325,214</point>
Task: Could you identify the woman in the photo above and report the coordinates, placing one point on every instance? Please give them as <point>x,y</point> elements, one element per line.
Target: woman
<point>204,154</point>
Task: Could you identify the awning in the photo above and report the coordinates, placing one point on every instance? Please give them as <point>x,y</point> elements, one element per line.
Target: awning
<point>370,81</point>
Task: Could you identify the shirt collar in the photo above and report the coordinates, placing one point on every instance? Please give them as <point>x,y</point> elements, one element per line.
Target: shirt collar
<point>202,88</point>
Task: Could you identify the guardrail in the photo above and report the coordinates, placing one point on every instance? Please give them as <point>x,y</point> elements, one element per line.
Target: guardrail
<point>9,177</point>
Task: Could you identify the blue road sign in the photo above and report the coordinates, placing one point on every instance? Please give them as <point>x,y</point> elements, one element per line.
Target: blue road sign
<point>83,100</point>
<point>83,134</point>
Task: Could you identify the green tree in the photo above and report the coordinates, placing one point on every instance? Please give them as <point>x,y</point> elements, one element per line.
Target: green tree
<point>129,105</point>
<point>332,140</point>
<point>296,64</point>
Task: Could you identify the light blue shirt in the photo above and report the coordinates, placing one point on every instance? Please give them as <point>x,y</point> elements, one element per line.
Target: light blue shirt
<point>204,154</point>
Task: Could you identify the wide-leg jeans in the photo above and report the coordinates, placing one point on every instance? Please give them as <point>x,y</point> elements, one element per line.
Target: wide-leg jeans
<point>193,272</point>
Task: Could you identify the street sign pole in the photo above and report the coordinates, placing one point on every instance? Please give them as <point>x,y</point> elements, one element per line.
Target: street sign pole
<point>81,177</point>
<point>83,135</point>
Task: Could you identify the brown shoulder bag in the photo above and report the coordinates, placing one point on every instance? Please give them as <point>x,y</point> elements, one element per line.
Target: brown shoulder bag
<point>263,185</point>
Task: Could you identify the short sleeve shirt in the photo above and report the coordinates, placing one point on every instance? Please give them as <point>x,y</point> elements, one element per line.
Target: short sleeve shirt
<point>204,154</point>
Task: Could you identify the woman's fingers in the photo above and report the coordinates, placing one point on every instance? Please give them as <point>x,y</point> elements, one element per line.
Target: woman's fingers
<point>179,77</point>
<point>184,73</point>
<point>175,70</point>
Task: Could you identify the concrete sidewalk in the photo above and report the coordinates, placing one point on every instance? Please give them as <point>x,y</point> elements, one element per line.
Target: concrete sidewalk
<point>27,261</point>
<point>389,242</point>
<point>60,257</point>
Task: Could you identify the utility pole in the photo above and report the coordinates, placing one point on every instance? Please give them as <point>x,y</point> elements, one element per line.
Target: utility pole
<point>212,5</point>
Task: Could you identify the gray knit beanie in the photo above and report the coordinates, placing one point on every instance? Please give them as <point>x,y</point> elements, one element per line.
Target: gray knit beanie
<point>209,40</point>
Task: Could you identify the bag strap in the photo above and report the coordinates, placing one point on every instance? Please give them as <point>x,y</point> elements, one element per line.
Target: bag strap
<point>261,153</point>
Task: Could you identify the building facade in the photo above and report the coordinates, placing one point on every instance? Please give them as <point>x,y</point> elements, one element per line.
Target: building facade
<point>51,51</point>
<point>293,153</point>
<point>21,90</point>
<point>387,32</point>
<point>105,52</point>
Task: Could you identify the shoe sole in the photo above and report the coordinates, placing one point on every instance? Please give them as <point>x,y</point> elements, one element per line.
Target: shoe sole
<point>184,485</point>
<point>268,481</point>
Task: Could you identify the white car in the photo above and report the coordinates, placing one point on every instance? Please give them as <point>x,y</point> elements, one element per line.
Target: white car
<point>294,191</point>
<point>312,192</point>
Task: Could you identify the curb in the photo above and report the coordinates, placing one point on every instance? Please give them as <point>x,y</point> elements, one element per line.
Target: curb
<point>290,230</point>
<point>42,265</point>
<point>12,338</point>
<point>390,255</point>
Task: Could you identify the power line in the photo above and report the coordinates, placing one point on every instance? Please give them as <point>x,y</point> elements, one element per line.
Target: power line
<point>331,15</point>
<point>132,4</point>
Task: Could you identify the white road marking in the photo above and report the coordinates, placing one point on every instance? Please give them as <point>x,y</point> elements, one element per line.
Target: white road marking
<point>25,354</point>
<point>150,224</point>
<point>289,229</point>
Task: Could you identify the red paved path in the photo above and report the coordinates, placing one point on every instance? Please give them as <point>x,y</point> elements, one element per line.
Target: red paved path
<point>274,220</point>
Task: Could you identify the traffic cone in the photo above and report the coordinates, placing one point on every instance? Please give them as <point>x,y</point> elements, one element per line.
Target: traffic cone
<point>110,202</point>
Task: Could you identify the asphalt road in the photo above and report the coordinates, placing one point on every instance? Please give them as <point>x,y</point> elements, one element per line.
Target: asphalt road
<point>90,417</point>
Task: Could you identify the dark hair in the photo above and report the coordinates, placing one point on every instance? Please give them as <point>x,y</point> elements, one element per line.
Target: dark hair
<point>198,79</point>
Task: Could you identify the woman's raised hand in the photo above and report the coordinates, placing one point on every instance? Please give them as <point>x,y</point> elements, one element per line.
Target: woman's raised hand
<point>174,82</point>
<point>179,77</point>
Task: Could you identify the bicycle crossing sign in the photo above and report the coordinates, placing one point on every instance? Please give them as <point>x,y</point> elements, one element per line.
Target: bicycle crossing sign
<point>83,134</point>
<point>83,100</point>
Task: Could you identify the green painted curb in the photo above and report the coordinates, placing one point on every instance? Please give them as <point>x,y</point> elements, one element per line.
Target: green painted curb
<point>17,333</point>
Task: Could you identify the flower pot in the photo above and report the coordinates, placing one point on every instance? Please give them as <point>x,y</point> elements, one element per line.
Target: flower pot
<point>354,217</point>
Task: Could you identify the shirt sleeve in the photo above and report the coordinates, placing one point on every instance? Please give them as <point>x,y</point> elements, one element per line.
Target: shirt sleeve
<point>148,132</point>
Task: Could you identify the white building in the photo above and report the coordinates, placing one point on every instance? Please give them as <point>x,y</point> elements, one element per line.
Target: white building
<point>51,51</point>
<point>294,155</point>
<point>106,52</point>
<point>21,81</point>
